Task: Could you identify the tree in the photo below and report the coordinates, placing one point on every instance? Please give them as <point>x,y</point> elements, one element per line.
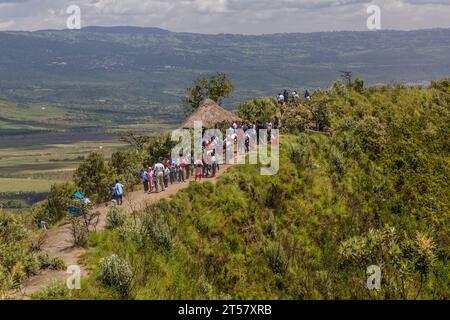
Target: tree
<point>55,207</point>
<point>159,148</point>
<point>321,115</point>
<point>216,88</point>
<point>263,109</point>
<point>134,140</point>
<point>347,76</point>
<point>127,165</point>
<point>358,85</point>
<point>94,177</point>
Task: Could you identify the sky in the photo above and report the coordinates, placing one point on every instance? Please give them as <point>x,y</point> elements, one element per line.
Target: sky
<point>227,16</point>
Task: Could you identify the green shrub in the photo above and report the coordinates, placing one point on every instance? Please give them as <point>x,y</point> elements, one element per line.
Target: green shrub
<point>276,257</point>
<point>337,162</point>
<point>147,226</point>
<point>47,262</point>
<point>54,291</point>
<point>371,134</point>
<point>443,85</point>
<point>80,232</point>
<point>305,233</point>
<point>54,208</point>
<point>115,273</point>
<point>134,230</point>
<point>94,177</point>
<point>127,166</point>
<point>31,265</point>
<point>159,148</point>
<point>262,109</point>
<point>115,218</point>
<point>297,119</point>
<point>406,262</point>
<point>16,260</point>
<point>161,235</point>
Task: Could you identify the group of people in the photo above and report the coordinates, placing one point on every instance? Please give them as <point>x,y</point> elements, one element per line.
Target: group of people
<point>167,171</point>
<point>285,96</point>
<point>240,132</point>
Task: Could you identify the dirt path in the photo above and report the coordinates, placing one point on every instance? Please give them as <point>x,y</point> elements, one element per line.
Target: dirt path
<point>59,240</point>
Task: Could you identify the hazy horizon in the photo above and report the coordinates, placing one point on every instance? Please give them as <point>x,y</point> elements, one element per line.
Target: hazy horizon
<point>243,34</point>
<point>252,17</point>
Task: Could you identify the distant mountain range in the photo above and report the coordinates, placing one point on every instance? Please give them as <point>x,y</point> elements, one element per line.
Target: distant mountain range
<point>126,73</point>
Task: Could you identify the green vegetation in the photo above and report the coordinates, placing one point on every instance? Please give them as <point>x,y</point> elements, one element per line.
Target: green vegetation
<point>116,273</point>
<point>262,109</point>
<point>19,253</point>
<point>216,88</point>
<point>115,218</point>
<point>118,76</point>
<point>62,98</point>
<point>95,176</point>
<point>54,208</point>
<point>43,144</point>
<point>375,191</point>
<point>24,185</point>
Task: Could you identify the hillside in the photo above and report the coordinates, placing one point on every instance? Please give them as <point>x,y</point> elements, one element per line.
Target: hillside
<point>374,193</point>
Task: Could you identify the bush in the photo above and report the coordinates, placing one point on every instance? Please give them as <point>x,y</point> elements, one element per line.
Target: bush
<point>443,85</point>
<point>115,218</point>
<point>30,264</point>
<point>262,109</point>
<point>16,260</point>
<point>321,115</point>
<point>80,232</point>
<point>54,208</point>
<point>47,262</point>
<point>358,85</point>
<point>115,273</point>
<point>406,262</point>
<point>297,119</point>
<point>371,134</point>
<point>134,230</point>
<point>94,177</point>
<point>127,166</point>
<point>38,240</point>
<point>147,226</point>
<point>337,162</point>
<point>161,235</point>
<point>54,291</point>
<point>57,201</point>
<point>159,148</point>
<point>276,257</point>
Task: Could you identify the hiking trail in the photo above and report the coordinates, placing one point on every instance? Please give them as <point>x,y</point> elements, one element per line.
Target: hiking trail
<point>58,241</point>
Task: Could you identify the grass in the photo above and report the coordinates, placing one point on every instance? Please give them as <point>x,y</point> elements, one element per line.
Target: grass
<point>9,185</point>
<point>44,142</point>
<point>50,161</point>
<point>35,113</point>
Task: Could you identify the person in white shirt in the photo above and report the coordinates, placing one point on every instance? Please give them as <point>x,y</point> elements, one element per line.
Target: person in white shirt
<point>159,171</point>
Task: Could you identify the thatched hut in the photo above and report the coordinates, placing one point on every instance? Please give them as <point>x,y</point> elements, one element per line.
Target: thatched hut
<point>211,115</point>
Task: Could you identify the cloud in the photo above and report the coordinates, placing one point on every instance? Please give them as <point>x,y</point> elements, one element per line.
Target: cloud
<point>211,6</point>
<point>230,16</point>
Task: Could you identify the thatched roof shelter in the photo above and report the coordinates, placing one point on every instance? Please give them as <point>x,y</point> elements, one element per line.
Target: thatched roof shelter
<point>211,115</point>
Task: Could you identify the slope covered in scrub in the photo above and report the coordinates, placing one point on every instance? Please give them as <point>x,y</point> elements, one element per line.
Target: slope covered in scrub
<point>374,192</point>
